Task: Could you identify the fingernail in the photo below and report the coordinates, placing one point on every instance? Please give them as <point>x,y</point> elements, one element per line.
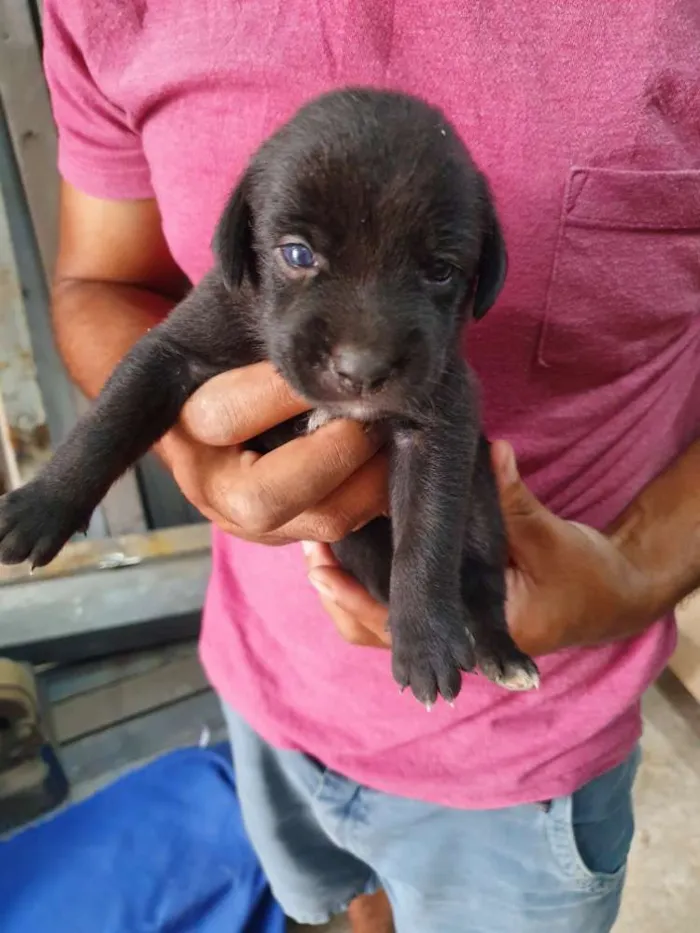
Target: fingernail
<point>321,586</point>
<point>307,547</point>
<point>510,466</point>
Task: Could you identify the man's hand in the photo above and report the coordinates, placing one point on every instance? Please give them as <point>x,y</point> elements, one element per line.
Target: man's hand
<point>318,487</point>
<point>567,584</point>
<point>359,618</point>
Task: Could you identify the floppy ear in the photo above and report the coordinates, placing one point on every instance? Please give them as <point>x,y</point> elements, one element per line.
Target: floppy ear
<point>493,266</point>
<point>233,238</point>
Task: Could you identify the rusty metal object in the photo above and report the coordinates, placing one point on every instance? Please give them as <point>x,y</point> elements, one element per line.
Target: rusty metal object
<point>24,435</point>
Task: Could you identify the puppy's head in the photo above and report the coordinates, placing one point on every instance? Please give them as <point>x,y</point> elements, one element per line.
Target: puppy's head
<point>369,236</point>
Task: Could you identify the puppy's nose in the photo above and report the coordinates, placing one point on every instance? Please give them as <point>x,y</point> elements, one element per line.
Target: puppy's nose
<point>360,367</point>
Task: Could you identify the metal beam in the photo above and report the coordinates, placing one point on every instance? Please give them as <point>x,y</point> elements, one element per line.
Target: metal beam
<point>105,596</point>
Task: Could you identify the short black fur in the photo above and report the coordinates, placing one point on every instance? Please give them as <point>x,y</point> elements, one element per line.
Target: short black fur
<point>382,194</point>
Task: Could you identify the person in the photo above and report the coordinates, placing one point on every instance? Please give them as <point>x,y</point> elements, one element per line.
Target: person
<point>509,812</point>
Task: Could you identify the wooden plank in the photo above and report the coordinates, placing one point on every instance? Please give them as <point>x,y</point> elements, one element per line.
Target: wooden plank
<point>96,759</point>
<point>9,471</point>
<point>62,681</point>
<point>127,699</point>
<point>685,662</point>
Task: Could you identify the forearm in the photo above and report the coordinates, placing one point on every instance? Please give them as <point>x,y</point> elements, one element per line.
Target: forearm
<point>96,323</point>
<point>659,534</point>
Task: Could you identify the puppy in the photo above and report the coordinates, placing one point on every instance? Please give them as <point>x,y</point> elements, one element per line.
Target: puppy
<point>351,254</point>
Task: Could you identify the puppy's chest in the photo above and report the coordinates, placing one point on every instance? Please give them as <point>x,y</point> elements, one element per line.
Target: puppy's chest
<point>356,411</point>
<point>303,424</point>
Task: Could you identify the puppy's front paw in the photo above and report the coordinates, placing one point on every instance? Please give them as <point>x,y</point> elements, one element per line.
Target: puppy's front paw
<point>502,662</point>
<point>34,525</point>
<point>430,653</point>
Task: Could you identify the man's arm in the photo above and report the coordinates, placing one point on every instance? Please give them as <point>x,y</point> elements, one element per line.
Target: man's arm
<point>660,535</point>
<point>114,280</point>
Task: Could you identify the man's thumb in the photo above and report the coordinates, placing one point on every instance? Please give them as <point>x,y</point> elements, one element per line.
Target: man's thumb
<point>517,502</point>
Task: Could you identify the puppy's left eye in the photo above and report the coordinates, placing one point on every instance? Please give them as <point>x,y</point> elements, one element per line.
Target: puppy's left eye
<point>298,256</point>
<point>439,273</point>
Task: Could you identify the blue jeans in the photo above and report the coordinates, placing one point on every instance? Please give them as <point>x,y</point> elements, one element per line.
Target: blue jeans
<point>322,839</point>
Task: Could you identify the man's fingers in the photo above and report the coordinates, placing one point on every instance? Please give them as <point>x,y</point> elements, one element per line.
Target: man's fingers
<point>357,501</point>
<point>532,530</point>
<point>317,554</point>
<point>354,632</point>
<point>231,488</point>
<point>240,404</point>
<point>298,475</point>
<point>357,616</point>
<point>517,502</point>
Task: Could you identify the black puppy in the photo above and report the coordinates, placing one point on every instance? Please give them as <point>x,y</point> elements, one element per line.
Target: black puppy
<point>353,250</point>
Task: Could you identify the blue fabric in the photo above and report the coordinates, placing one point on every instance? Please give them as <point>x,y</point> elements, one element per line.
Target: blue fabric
<point>162,850</point>
<point>555,867</point>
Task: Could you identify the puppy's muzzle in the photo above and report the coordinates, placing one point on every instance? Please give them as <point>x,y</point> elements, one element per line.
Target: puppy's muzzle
<point>364,369</point>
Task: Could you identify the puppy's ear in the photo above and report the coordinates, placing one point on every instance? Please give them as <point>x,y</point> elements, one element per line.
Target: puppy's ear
<point>493,266</point>
<point>233,238</point>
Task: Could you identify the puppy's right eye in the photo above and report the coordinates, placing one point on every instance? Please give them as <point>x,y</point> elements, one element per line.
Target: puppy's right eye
<point>298,256</point>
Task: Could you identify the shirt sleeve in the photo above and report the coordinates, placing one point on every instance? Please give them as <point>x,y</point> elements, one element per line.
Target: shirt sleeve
<point>98,152</point>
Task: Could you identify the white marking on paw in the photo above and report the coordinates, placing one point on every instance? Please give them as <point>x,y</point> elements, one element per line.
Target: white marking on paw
<point>518,679</point>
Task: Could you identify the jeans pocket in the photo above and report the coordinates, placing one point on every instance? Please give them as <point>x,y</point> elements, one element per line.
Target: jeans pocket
<point>591,831</point>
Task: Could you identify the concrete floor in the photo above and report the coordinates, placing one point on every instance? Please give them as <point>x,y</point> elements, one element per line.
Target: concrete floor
<point>663,888</point>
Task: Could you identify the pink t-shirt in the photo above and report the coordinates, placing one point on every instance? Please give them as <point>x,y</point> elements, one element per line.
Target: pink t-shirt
<point>584,115</point>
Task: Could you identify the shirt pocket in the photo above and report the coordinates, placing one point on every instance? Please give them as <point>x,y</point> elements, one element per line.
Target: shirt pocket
<point>625,284</point>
